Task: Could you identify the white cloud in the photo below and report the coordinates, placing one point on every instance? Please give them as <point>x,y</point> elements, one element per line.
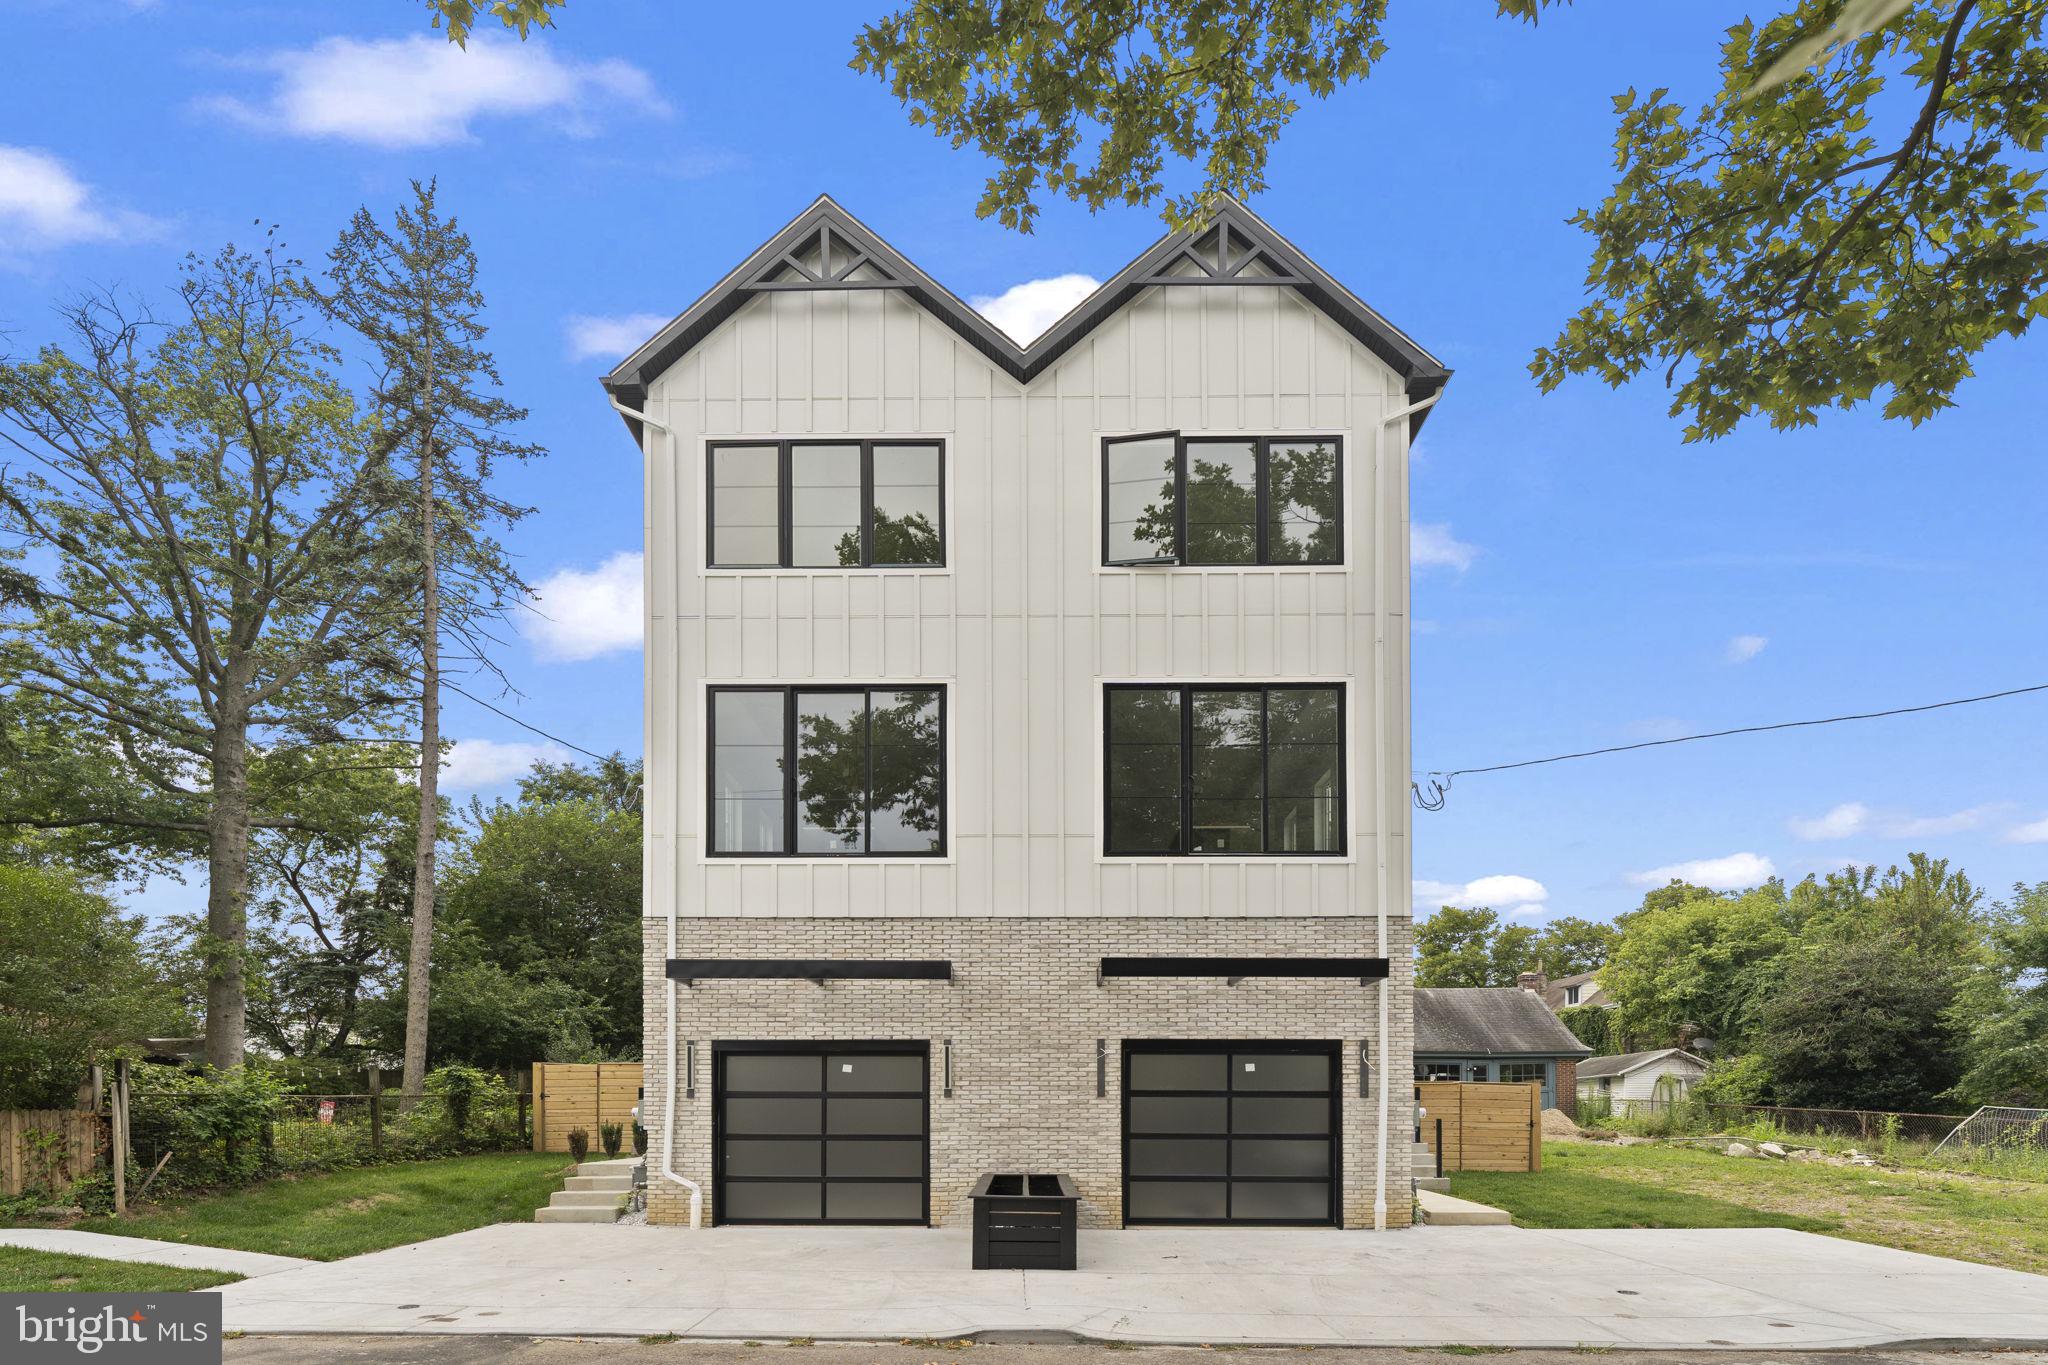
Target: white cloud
<point>1839,822</point>
<point>1431,545</point>
<point>42,204</point>
<point>1505,892</point>
<point>581,614</point>
<point>480,764</point>
<point>1735,872</point>
<point>2033,832</point>
<point>1853,818</point>
<point>1932,826</point>
<point>420,91</point>
<point>1024,310</point>
<point>611,338</point>
<point>1743,648</point>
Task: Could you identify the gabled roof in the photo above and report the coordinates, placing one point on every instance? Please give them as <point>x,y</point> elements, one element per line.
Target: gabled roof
<point>826,248</point>
<point>1489,1021</point>
<point>1626,1062</point>
<point>1554,992</point>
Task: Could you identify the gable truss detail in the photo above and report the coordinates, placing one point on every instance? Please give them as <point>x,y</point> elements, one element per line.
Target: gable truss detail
<point>826,249</point>
<point>1222,255</point>
<point>826,260</point>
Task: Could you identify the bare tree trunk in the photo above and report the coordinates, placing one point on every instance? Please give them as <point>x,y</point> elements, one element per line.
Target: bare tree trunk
<point>227,895</point>
<point>420,963</point>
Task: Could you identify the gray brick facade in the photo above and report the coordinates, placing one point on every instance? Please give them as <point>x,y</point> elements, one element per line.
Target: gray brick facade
<point>1024,1012</point>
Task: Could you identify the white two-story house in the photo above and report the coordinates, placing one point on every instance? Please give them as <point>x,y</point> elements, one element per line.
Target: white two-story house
<point>1028,740</point>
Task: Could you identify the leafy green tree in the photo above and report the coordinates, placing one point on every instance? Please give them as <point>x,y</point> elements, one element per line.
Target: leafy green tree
<point>2001,1014</point>
<point>1461,946</point>
<point>550,890</point>
<point>204,602</point>
<point>1802,240</point>
<point>1569,945</point>
<point>1858,1025</point>
<point>483,1014</point>
<point>1923,906</point>
<point>1703,961</point>
<point>75,985</point>
<point>613,783</point>
<point>409,293</point>
<point>459,17</point>
<point>326,904</point>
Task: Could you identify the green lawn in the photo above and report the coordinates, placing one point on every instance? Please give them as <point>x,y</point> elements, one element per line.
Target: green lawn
<point>1581,1185</point>
<point>344,1213</point>
<point>52,1272</point>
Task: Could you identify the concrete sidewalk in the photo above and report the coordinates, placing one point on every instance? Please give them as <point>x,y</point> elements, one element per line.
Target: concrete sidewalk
<point>1738,1287</point>
<point>108,1247</point>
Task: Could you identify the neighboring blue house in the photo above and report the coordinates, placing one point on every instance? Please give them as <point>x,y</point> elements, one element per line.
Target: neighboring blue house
<point>1496,1033</point>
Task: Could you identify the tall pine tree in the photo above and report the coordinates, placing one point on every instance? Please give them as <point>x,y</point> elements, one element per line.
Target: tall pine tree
<point>409,293</point>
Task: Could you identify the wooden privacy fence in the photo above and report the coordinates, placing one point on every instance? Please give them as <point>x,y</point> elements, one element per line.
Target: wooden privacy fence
<point>583,1095</point>
<point>1486,1125</point>
<point>46,1149</point>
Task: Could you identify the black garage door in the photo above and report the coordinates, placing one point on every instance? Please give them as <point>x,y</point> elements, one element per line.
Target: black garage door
<point>1230,1133</point>
<point>820,1133</point>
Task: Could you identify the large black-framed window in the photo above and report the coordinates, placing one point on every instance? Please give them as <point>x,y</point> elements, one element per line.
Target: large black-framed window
<point>821,1132</point>
<point>1223,770</point>
<point>822,771</point>
<point>1232,1132</point>
<point>1221,501</point>
<point>825,504</point>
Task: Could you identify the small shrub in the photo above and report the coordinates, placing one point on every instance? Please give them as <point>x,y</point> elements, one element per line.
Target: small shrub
<point>579,1143</point>
<point>639,1140</point>
<point>612,1136</point>
<point>215,1121</point>
<point>1735,1080</point>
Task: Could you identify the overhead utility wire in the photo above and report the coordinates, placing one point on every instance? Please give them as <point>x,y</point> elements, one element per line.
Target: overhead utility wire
<point>527,725</point>
<point>1431,792</point>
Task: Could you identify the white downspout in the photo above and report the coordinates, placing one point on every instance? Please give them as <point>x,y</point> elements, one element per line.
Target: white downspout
<point>1381,690</point>
<point>668,1104</point>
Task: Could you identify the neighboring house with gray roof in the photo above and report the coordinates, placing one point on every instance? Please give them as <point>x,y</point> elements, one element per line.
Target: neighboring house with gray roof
<point>1496,1033</point>
<point>1662,1074</point>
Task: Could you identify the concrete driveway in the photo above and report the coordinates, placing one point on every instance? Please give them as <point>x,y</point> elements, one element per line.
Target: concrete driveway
<point>1738,1287</point>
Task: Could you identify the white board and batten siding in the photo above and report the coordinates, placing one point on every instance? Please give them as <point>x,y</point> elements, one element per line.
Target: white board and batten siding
<point>1024,626</point>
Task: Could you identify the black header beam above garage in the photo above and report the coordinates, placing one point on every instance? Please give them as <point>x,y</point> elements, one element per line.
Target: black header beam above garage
<point>1239,968</point>
<point>689,970</point>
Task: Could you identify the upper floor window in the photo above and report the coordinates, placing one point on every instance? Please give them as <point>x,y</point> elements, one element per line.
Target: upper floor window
<point>826,505</point>
<point>1204,500</point>
<point>828,771</point>
<point>1571,995</point>
<point>1222,770</point>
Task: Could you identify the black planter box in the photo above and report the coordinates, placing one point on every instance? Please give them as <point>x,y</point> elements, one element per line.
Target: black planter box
<point>1024,1222</point>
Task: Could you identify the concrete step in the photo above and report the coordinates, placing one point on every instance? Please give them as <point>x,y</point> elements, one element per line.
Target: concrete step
<point>586,1199</point>
<point>608,1166</point>
<point>576,1215</point>
<point>1449,1211</point>
<point>623,1184</point>
<point>1441,1184</point>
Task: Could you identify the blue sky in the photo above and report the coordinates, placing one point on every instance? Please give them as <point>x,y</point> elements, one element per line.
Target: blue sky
<point>1588,580</point>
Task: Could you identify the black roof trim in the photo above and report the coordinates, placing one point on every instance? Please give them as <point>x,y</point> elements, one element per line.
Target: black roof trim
<point>1422,373</point>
